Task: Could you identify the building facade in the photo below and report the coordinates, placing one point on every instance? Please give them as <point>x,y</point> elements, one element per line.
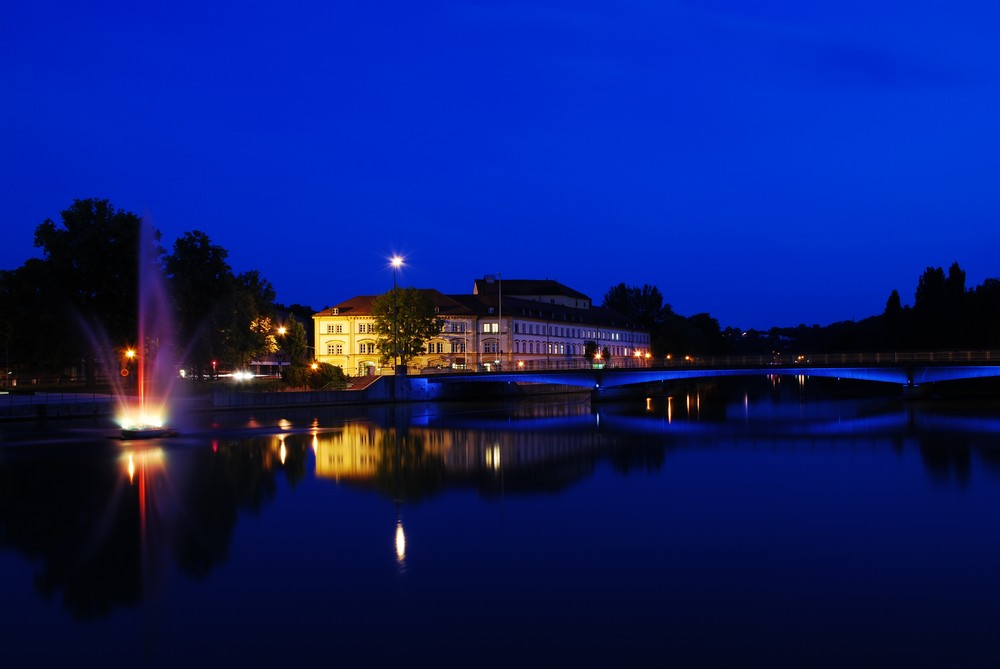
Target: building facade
<point>509,324</point>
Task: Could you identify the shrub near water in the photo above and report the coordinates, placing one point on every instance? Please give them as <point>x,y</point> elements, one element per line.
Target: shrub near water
<point>324,377</point>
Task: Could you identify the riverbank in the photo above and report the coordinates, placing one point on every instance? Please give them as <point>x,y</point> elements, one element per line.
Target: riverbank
<point>385,390</point>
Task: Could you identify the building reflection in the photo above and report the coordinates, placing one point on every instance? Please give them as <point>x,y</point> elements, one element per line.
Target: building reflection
<point>103,524</point>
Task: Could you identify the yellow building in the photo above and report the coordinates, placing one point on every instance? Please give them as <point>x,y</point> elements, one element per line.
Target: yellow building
<point>509,324</point>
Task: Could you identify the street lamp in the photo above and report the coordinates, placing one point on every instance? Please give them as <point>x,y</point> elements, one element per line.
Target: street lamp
<point>396,262</point>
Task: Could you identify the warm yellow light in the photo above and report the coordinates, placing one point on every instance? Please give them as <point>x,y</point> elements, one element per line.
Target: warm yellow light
<point>314,366</point>
<point>130,353</point>
<point>520,363</point>
<point>396,261</point>
<point>400,541</point>
<point>283,452</point>
<point>282,330</point>
<point>131,468</point>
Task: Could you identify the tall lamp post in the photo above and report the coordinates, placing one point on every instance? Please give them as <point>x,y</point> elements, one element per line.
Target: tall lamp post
<point>396,262</point>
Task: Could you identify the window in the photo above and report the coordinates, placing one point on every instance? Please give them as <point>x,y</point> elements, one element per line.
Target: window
<point>340,329</point>
<point>335,311</point>
<point>490,346</point>
<point>457,347</point>
<point>335,349</point>
<point>490,328</point>
<point>330,329</point>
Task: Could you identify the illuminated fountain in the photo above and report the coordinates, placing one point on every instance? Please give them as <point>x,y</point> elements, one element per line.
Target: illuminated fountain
<point>144,386</point>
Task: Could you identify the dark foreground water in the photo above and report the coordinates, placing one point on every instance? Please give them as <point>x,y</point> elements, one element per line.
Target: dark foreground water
<point>755,524</point>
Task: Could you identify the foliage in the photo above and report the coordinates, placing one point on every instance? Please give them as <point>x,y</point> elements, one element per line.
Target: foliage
<point>89,274</point>
<point>407,317</point>
<point>293,342</point>
<point>589,349</point>
<point>644,306</point>
<point>202,284</point>
<point>222,316</point>
<point>89,271</point>
<point>324,377</point>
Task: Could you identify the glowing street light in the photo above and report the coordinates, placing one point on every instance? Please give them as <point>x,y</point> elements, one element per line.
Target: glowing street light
<point>396,262</point>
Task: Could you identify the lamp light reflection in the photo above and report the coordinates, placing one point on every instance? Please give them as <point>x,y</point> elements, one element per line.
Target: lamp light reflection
<point>400,542</point>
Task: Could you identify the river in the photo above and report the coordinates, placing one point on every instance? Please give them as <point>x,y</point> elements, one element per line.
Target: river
<point>759,522</point>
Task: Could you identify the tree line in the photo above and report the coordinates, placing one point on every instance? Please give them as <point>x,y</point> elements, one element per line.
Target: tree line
<point>88,278</point>
<point>89,273</point>
<point>945,315</point>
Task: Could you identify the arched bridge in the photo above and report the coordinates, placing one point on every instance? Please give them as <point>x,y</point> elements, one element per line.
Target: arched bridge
<point>907,369</point>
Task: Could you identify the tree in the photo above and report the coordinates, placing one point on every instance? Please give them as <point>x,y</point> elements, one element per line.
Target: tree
<point>940,307</point>
<point>90,273</point>
<point>203,286</point>
<point>644,306</point>
<point>320,376</point>
<point>590,349</point>
<point>404,323</point>
<point>250,332</point>
<point>294,342</point>
<point>893,306</point>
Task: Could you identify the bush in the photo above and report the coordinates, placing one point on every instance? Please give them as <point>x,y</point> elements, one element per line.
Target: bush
<point>324,377</point>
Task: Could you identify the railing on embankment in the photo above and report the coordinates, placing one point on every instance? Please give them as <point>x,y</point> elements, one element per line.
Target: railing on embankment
<point>990,357</point>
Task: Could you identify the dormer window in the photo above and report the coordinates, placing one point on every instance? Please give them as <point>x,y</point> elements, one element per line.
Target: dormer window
<point>335,311</point>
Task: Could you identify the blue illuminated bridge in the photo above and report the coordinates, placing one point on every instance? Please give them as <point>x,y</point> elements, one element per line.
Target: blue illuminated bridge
<point>907,369</point>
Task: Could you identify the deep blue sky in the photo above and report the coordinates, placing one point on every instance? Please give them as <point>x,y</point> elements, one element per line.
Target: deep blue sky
<point>771,163</point>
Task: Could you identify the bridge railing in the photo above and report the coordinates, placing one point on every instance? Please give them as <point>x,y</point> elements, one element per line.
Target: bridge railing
<point>988,357</point>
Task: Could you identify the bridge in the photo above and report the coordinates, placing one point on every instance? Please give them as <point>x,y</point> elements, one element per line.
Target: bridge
<point>907,369</point>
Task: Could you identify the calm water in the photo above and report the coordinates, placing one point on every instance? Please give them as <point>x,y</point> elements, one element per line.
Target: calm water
<point>762,523</point>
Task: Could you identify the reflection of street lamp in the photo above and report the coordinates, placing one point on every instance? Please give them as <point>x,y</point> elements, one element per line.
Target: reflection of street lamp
<point>396,262</point>
<point>400,542</point>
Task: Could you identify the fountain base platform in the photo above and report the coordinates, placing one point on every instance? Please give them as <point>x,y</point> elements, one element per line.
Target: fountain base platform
<point>136,433</point>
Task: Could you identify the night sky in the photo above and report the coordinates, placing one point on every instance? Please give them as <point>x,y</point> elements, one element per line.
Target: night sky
<point>771,163</point>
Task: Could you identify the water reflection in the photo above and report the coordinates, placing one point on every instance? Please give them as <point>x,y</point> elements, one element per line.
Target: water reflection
<point>101,524</point>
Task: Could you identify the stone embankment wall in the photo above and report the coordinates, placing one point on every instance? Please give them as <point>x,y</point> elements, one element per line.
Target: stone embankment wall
<point>27,406</point>
<point>386,389</point>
